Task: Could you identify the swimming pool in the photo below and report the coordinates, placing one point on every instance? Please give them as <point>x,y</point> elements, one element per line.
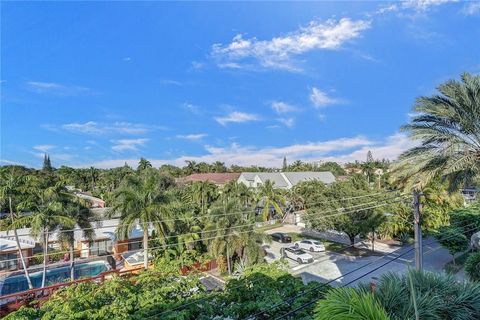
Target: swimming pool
<point>19,283</point>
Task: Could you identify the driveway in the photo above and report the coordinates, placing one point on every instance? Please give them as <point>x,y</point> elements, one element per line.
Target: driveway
<point>330,266</point>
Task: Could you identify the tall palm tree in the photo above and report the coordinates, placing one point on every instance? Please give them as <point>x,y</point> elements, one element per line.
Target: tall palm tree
<point>140,199</point>
<point>271,197</point>
<point>79,210</point>
<point>48,207</point>
<point>202,193</point>
<point>234,190</point>
<point>447,128</point>
<point>144,164</point>
<point>223,235</point>
<point>9,192</point>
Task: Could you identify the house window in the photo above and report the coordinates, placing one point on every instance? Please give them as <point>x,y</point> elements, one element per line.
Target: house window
<point>101,247</point>
<point>8,261</point>
<point>136,244</point>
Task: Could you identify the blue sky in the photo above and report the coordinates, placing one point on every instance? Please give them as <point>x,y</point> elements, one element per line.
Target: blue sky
<point>101,83</point>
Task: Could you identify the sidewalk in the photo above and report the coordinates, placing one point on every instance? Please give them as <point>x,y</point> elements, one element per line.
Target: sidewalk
<point>335,237</point>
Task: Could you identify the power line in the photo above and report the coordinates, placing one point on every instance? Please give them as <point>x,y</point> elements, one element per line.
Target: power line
<point>182,306</point>
<point>398,199</point>
<point>235,287</point>
<point>197,217</point>
<point>356,279</point>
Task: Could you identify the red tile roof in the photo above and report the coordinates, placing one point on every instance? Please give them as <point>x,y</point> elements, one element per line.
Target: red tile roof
<point>217,178</point>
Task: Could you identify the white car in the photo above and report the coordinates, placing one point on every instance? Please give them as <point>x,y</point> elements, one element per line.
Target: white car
<point>297,254</point>
<point>311,245</point>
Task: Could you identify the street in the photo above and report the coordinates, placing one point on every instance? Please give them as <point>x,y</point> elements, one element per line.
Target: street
<point>330,266</point>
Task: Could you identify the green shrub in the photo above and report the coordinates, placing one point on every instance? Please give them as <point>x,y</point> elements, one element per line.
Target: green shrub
<point>348,303</point>
<point>453,239</point>
<point>472,266</point>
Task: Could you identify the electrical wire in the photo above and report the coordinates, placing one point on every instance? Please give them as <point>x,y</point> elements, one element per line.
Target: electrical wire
<point>398,198</point>
<point>358,278</point>
<point>194,217</point>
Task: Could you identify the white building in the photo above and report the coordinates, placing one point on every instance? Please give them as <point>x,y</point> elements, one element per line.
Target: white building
<point>284,180</point>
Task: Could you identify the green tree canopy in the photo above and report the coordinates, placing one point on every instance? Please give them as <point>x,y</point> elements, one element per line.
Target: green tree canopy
<point>447,127</point>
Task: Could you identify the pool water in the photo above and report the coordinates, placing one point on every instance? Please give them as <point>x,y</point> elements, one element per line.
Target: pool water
<point>19,283</point>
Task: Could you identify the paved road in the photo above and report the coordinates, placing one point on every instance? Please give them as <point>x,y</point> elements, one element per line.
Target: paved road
<point>329,266</point>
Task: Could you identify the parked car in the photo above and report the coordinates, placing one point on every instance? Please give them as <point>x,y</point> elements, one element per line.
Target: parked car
<point>311,245</point>
<point>297,254</point>
<point>281,237</point>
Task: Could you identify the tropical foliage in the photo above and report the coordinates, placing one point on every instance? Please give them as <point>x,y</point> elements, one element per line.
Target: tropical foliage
<point>447,128</point>
<point>163,294</point>
<point>472,266</point>
<point>346,206</point>
<point>415,295</point>
<point>141,199</point>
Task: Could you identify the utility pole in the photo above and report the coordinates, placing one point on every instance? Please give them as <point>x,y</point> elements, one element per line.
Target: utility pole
<point>418,231</point>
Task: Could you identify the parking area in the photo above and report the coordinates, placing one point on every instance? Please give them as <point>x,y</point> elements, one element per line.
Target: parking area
<point>347,269</point>
<point>273,250</point>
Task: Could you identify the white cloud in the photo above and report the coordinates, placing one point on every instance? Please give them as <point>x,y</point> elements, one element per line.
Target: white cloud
<point>423,5</point>
<point>89,127</point>
<point>277,52</point>
<point>192,137</point>
<point>391,148</point>
<point>128,144</point>
<point>94,128</point>
<point>191,107</point>
<point>9,162</point>
<point>236,117</point>
<point>56,88</point>
<point>44,147</point>
<point>340,150</point>
<point>288,122</point>
<point>171,82</point>
<point>282,107</point>
<point>321,99</point>
<point>127,59</point>
<point>417,6</point>
<point>197,65</point>
<point>471,8</point>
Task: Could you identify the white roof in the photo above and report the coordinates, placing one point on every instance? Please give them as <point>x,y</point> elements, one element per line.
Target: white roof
<point>9,244</point>
<point>105,229</point>
<point>289,179</point>
<point>296,177</point>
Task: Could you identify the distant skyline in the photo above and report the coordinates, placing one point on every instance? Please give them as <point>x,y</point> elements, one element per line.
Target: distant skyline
<point>104,83</point>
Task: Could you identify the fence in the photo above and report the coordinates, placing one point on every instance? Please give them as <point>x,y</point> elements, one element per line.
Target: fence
<point>34,297</point>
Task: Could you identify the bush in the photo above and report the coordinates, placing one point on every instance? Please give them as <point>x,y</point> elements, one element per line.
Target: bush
<point>152,294</point>
<point>348,303</point>
<point>472,266</point>
<point>453,239</point>
<point>53,256</point>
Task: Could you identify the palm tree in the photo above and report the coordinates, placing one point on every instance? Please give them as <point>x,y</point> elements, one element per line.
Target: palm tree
<point>48,206</point>
<point>222,233</point>
<point>368,169</point>
<point>202,193</point>
<point>9,191</point>
<point>447,127</point>
<point>271,197</point>
<point>225,238</point>
<point>437,296</point>
<point>234,190</point>
<point>191,167</point>
<point>83,216</point>
<point>141,199</point>
<point>144,164</point>
<point>219,166</point>
<point>348,303</point>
